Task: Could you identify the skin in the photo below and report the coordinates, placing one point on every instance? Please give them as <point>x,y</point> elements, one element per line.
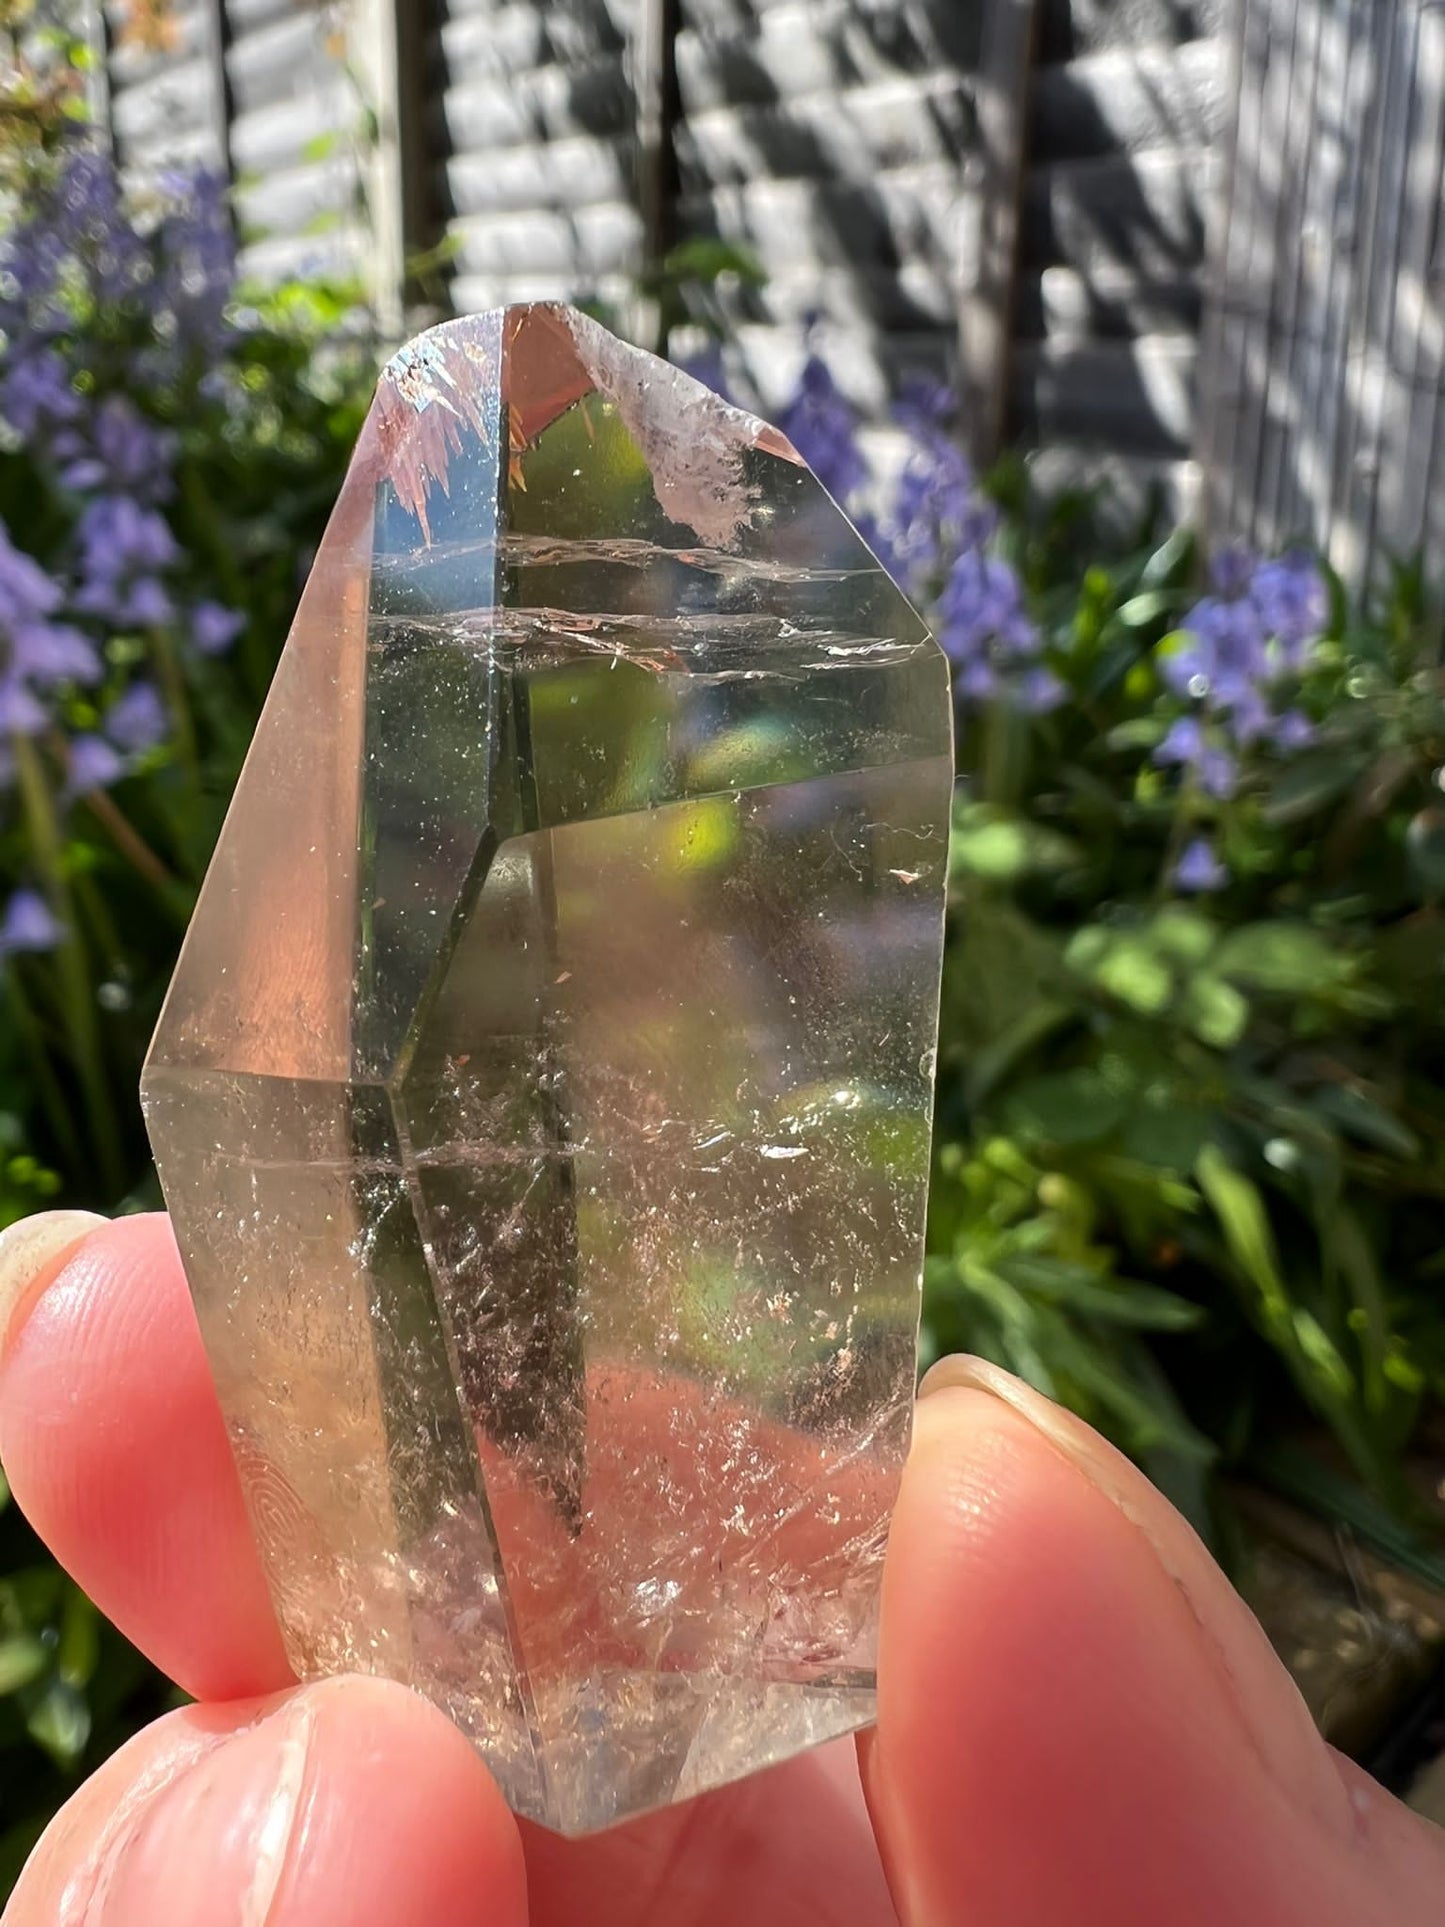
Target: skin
<point>1079,1723</point>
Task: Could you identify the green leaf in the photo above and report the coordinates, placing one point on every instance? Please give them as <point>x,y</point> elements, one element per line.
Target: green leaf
<point>22,1659</point>
<point>1169,560</point>
<point>1004,848</point>
<point>1350,1249</point>
<point>1322,1355</point>
<point>1361,1118</point>
<point>1088,947</point>
<point>1132,970</point>
<point>1152,606</point>
<point>993,1063</point>
<point>1151,1422</point>
<point>1342,1503</point>
<point>1237,1204</point>
<point>1214,1010</point>
<point>1168,1134</point>
<point>1065,1107</point>
<point>1288,958</point>
<point>1308,783</point>
<point>1184,933</point>
<point>1139,732</point>
<point>78,1650</point>
<point>60,1722</point>
<point>1115,1301</point>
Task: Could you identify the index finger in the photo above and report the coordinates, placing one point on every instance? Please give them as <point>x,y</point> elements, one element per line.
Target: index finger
<point>114,1446</point>
<point>1079,1720</point>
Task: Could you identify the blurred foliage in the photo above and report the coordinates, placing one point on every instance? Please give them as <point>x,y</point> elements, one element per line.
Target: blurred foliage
<point>1190,1150</point>
<point>252,423</point>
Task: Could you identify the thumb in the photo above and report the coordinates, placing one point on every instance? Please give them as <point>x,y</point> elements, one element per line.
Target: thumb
<point>1079,1721</point>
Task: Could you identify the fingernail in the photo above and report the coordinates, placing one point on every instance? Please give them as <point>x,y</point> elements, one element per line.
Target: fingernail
<point>210,1838</point>
<point>28,1250</point>
<point>1069,1435</point>
<point>277,1825</point>
<point>1101,1464</point>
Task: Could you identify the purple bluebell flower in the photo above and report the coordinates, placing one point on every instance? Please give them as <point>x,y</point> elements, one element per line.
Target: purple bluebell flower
<point>117,536</point>
<point>137,719</point>
<point>95,228</point>
<point>1218,773</point>
<point>1231,571</point>
<point>1292,730</point>
<point>1187,745</point>
<point>1226,656</point>
<point>26,591</point>
<point>879,538</point>
<point>197,248</point>
<point>1038,692</point>
<point>50,654</point>
<point>822,425</point>
<point>123,453</point>
<point>1019,638</point>
<point>36,652</point>
<point>1293,604</point>
<point>925,407</point>
<point>21,712</point>
<point>122,547</point>
<point>28,923</point>
<point>1250,717</point>
<point>939,509</point>
<point>1199,869</point>
<point>146,605</point>
<point>990,637</point>
<point>977,681</point>
<point>94,764</point>
<point>214,628</point>
<point>980,599</point>
<point>1183,742</point>
<point>37,393</point>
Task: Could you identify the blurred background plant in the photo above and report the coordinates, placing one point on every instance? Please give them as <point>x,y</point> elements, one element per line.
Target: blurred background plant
<point>168,454</point>
<point>1189,1156</point>
<point>1189,1138</point>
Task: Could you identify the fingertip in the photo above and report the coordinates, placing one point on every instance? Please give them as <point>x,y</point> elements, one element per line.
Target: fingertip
<point>115,1448</point>
<point>349,1803</point>
<point>402,1825</point>
<point>30,1251</point>
<point>1063,1730</point>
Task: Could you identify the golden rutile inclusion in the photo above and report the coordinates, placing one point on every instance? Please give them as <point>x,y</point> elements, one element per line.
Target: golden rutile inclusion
<point>543,1095</point>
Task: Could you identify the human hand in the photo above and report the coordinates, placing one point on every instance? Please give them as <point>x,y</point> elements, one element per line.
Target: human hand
<point>1079,1722</point>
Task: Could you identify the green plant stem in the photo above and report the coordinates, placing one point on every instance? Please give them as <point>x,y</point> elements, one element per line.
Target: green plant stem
<point>207,529</point>
<point>1174,847</point>
<point>1003,744</point>
<point>129,841</point>
<point>76,997</point>
<point>173,683</point>
<point>123,833</point>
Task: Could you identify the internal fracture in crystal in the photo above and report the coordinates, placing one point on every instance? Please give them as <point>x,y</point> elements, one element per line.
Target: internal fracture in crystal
<point>542,1099</point>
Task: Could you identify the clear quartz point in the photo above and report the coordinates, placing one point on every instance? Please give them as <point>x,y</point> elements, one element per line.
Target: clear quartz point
<point>543,1095</point>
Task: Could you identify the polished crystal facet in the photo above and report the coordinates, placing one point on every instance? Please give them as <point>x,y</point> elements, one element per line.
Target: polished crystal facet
<point>543,1096</point>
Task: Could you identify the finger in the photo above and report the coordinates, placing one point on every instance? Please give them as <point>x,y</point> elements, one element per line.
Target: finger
<point>346,1804</point>
<point>116,1451</point>
<point>1078,1718</point>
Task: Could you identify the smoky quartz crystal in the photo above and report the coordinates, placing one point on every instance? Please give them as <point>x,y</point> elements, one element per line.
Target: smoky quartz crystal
<point>542,1099</point>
